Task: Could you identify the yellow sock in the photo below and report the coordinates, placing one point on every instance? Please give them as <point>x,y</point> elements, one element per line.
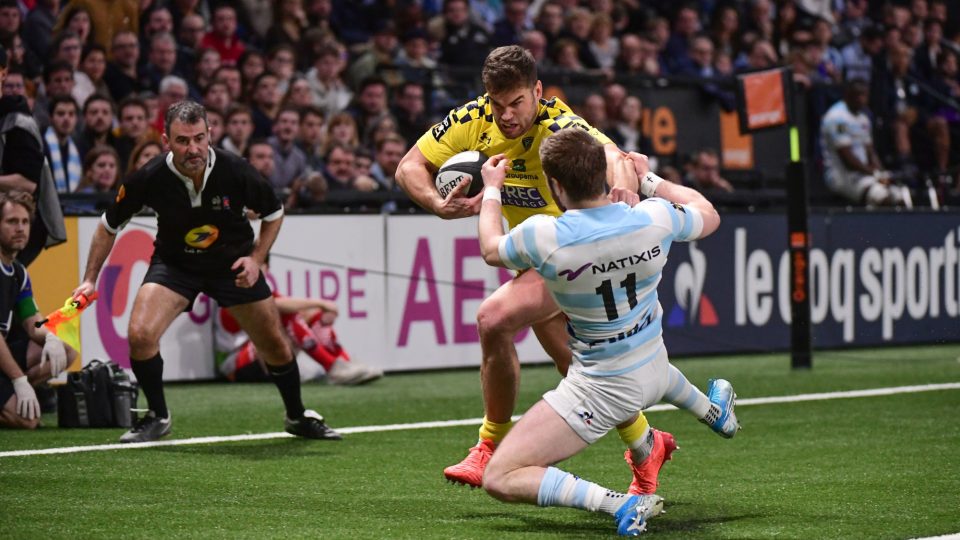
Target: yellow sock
<point>494,431</point>
<point>632,433</point>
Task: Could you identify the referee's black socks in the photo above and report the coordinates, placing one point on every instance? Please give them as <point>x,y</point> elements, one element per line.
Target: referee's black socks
<point>287,379</point>
<point>149,374</point>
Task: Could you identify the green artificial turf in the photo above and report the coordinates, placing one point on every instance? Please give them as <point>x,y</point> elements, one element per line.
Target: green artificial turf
<point>877,467</point>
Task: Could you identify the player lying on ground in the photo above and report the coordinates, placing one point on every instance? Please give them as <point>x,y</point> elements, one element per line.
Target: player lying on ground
<point>620,364</point>
<point>308,324</point>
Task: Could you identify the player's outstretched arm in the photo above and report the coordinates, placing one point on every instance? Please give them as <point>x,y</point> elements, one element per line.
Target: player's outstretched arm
<point>100,247</point>
<point>652,185</point>
<point>415,175</point>
<point>494,173</point>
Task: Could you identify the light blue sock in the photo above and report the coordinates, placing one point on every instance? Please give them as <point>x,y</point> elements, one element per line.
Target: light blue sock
<point>686,396</point>
<point>560,488</point>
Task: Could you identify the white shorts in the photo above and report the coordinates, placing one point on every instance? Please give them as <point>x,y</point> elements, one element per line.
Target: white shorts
<point>593,405</point>
<point>850,185</point>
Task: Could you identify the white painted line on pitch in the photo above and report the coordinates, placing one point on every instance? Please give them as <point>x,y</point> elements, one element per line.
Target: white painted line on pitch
<point>955,536</point>
<point>873,392</point>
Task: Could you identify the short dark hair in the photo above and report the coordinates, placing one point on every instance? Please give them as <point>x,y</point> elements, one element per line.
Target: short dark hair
<point>372,80</point>
<point>56,67</point>
<point>65,98</point>
<point>339,146</point>
<point>507,68</point>
<point>94,98</point>
<point>259,141</point>
<point>21,198</point>
<point>237,108</point>
<point>311,110</point>
<point>3,57</point>
<point>132,101</point>
<point>187,112</point>
<point>576,161</point>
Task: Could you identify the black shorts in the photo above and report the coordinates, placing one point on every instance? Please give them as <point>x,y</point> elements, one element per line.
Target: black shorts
<point>220,288</point>
<point>18,348</point>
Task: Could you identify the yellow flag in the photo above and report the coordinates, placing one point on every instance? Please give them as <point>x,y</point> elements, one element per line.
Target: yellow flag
<point>65,322</point>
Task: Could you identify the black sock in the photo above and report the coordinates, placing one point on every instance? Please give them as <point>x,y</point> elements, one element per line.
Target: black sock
<point>287,379</point>
<point>149,374</point>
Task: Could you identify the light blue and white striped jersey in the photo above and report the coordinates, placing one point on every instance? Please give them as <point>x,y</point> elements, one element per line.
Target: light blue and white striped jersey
<point>602,266</point>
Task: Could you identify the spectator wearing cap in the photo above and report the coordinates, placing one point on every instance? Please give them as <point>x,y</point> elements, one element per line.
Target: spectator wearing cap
<point>290,163</point>
<point>382,51</point>
<point>329,91</point>
<point>110,17</point>
<point>121,76</point>
<point>509,29</point>
<point>858,56</point>
<point>465,43</point>
<point>223,36</point>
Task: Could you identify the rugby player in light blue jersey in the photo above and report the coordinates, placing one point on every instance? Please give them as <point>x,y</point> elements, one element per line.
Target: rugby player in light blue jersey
<point>601,262</point>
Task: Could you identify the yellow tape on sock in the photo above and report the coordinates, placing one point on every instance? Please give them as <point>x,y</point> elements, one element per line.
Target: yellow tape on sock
<point>494,431</point>
<point>634,431</point>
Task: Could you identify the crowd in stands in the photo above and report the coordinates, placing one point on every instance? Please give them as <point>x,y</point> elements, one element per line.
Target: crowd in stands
<point>325,96</point>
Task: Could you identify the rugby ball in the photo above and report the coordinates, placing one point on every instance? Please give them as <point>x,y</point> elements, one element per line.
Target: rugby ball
<point>459,168</point>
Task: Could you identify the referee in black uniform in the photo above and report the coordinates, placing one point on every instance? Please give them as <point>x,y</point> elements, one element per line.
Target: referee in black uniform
<point>204,244</point>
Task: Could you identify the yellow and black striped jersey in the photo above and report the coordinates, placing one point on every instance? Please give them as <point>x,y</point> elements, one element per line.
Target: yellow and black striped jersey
<point>471,127</point>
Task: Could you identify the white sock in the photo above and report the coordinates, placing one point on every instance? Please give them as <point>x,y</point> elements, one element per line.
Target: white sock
<point>559,488</point>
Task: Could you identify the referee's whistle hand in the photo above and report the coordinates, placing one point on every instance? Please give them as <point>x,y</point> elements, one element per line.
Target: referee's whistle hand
<point>247,272</point>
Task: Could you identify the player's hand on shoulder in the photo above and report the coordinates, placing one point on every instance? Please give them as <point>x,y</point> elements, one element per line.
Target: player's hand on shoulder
<point>248,271</point>
<point>619,194</point>
<point>494,171</point>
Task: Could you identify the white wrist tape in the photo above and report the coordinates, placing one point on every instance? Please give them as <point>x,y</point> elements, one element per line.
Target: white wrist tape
<point>491,193</point>
<point>649,184</point>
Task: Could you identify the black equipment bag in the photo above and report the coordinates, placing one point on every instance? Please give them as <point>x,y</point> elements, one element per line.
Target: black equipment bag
<point>99,395</point>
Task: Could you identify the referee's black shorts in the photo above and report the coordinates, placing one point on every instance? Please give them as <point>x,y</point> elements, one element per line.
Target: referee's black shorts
<point>223,289</point>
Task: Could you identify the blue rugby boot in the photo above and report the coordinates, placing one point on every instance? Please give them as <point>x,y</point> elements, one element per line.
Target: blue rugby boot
<point>721,394</point>
<point>632,517</point>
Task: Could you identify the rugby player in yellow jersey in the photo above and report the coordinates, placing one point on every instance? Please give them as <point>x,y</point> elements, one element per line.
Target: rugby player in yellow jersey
<point>512,119</point>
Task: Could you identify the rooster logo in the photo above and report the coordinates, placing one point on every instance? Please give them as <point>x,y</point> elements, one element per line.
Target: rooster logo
<point>693,307</point>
